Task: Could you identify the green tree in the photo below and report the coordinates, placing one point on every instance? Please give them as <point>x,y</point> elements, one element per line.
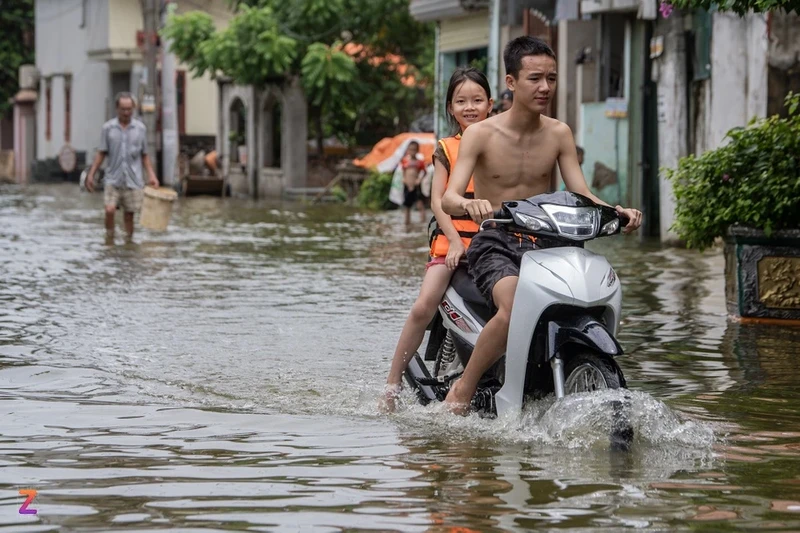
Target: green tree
<point>740,7</point>
<point>342,50</point>
<point>16,46</point>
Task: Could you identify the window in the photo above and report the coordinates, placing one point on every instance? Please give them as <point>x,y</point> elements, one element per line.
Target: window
<point>48,116</point>
<point>67,108</point>
<point>180,92</point>
<point>473,58</point>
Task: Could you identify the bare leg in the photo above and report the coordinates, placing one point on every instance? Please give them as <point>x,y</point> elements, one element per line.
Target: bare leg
<point>111,212</point>
<point>129,226</point>
<point>421,205</point>
<point>408,216</point>
<point>490,346</point>
<point>430,295</point>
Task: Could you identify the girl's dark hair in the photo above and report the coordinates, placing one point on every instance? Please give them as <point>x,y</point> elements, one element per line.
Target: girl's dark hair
<point>461,75</point>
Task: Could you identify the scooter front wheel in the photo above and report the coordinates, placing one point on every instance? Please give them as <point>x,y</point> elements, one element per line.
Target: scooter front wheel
<point>589,372</point>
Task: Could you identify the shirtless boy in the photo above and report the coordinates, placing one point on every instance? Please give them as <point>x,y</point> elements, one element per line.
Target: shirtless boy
<point>511,156</point>
<point>413,173</point>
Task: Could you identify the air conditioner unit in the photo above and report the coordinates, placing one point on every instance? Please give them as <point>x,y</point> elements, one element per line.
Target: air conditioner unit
<point>28,77</point>
<point>595,6</point>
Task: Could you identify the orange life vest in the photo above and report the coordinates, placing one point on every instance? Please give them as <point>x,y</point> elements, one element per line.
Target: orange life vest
<point>463,224</point>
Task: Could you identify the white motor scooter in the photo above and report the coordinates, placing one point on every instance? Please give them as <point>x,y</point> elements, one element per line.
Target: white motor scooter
<point>566,314</point>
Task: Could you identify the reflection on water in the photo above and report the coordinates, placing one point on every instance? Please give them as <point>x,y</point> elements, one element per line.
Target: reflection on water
<point>224,375</point>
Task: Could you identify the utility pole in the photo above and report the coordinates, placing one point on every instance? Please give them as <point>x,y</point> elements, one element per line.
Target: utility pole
<point>150,75</point>
<point>493,61</point>
<point>169,107</point>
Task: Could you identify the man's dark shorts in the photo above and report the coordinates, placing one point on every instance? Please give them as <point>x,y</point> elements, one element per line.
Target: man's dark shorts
<point>412,196</point>
<point>495,254</point>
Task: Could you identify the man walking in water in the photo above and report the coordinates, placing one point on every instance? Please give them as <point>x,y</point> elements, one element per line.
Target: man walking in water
<point>511,156</point>
<point>124,141</point>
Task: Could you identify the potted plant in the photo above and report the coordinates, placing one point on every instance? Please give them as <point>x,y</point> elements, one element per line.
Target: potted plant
<point>747,192</point>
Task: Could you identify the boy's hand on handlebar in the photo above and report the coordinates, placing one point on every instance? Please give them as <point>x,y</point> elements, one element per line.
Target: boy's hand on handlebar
<point>479,210</point>
<point>634,217</point>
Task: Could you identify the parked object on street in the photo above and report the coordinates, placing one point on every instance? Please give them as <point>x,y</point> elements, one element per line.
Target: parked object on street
<point>99,184</point>
<point>7,167</point>
<point>566,314</point>
<point>747,192</point>
<point>203,186</point>
<point>157,208</point>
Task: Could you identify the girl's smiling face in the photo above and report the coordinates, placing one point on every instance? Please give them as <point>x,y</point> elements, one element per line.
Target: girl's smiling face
<point>470,104</point>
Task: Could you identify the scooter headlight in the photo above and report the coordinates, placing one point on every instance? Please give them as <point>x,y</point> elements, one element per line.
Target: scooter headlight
<point>576,223</point>
<point>534,223</point>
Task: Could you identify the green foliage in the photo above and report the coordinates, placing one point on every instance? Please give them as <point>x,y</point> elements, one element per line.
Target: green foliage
<point>740,7</point>
<point>188,34</point>
<point>374,191</point>
<point>339,194</point>
<point>251,50</point>
<point>16,46</point>
<point>754,180</point>
<point>357,98</point>
<point>326,72</point>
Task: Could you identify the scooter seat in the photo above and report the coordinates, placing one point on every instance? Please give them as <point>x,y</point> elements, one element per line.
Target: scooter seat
<point>465,287</point>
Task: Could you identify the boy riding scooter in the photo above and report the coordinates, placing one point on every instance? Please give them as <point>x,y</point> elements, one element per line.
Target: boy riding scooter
<point>511,156</point>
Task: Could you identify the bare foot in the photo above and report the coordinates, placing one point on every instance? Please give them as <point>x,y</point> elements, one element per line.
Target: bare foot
<point>457,401</point>
<point>388,402</point>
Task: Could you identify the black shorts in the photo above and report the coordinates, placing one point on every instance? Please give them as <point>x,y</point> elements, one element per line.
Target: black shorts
<point>495,254</point>
<point>412,196</point>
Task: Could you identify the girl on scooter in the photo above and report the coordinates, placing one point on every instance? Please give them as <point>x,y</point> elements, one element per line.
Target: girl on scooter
<point>468,101</point>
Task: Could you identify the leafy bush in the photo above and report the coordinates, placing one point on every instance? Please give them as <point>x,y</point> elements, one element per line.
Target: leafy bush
<point>740,7</point>
<point>754,180</point>
<point>374,191</point>
<point>339,194</point>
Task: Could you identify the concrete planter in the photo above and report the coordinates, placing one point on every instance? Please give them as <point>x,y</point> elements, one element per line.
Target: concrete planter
<point>762,274</point>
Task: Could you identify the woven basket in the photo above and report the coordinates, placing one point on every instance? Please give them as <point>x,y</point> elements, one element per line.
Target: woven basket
<point>157,208</point>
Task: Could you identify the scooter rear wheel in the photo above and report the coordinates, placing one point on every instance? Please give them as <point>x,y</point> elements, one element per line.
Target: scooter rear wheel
<point>588,372</point>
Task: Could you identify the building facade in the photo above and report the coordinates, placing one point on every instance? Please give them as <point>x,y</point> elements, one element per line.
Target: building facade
<point>87,51</point>
<point>639,90</point>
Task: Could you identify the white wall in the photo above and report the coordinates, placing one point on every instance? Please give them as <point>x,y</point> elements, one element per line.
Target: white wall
<point>670,73</point>
<point>61,47</point>
<point>735,93</point>
<point>738,73</point>
<point>202,93</point>
<point>125,19</point>
<point>201,97</point>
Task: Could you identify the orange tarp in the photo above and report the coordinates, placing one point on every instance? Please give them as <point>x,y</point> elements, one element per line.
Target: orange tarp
<point>390,150</point>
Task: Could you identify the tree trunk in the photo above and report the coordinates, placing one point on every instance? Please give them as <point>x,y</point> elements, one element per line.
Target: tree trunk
<point>320,135</point>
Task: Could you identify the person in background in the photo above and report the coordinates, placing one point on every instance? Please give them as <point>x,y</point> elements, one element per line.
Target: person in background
<point>506,100</point>
<point>413,172</point>
<point>124,142</point>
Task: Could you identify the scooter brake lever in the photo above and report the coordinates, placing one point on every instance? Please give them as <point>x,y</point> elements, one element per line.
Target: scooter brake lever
<point>496,221</point>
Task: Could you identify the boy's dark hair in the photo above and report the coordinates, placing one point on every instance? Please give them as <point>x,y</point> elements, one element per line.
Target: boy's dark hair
<point>413,143</point>
<point>461,75</point>
<point>579,149</point>
<point>521,47</point>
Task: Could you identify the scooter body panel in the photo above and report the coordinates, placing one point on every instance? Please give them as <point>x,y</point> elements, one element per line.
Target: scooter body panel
<point>549,277</point>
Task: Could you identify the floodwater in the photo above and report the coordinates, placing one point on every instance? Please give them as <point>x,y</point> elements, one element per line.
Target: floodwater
<point>224,376</point>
